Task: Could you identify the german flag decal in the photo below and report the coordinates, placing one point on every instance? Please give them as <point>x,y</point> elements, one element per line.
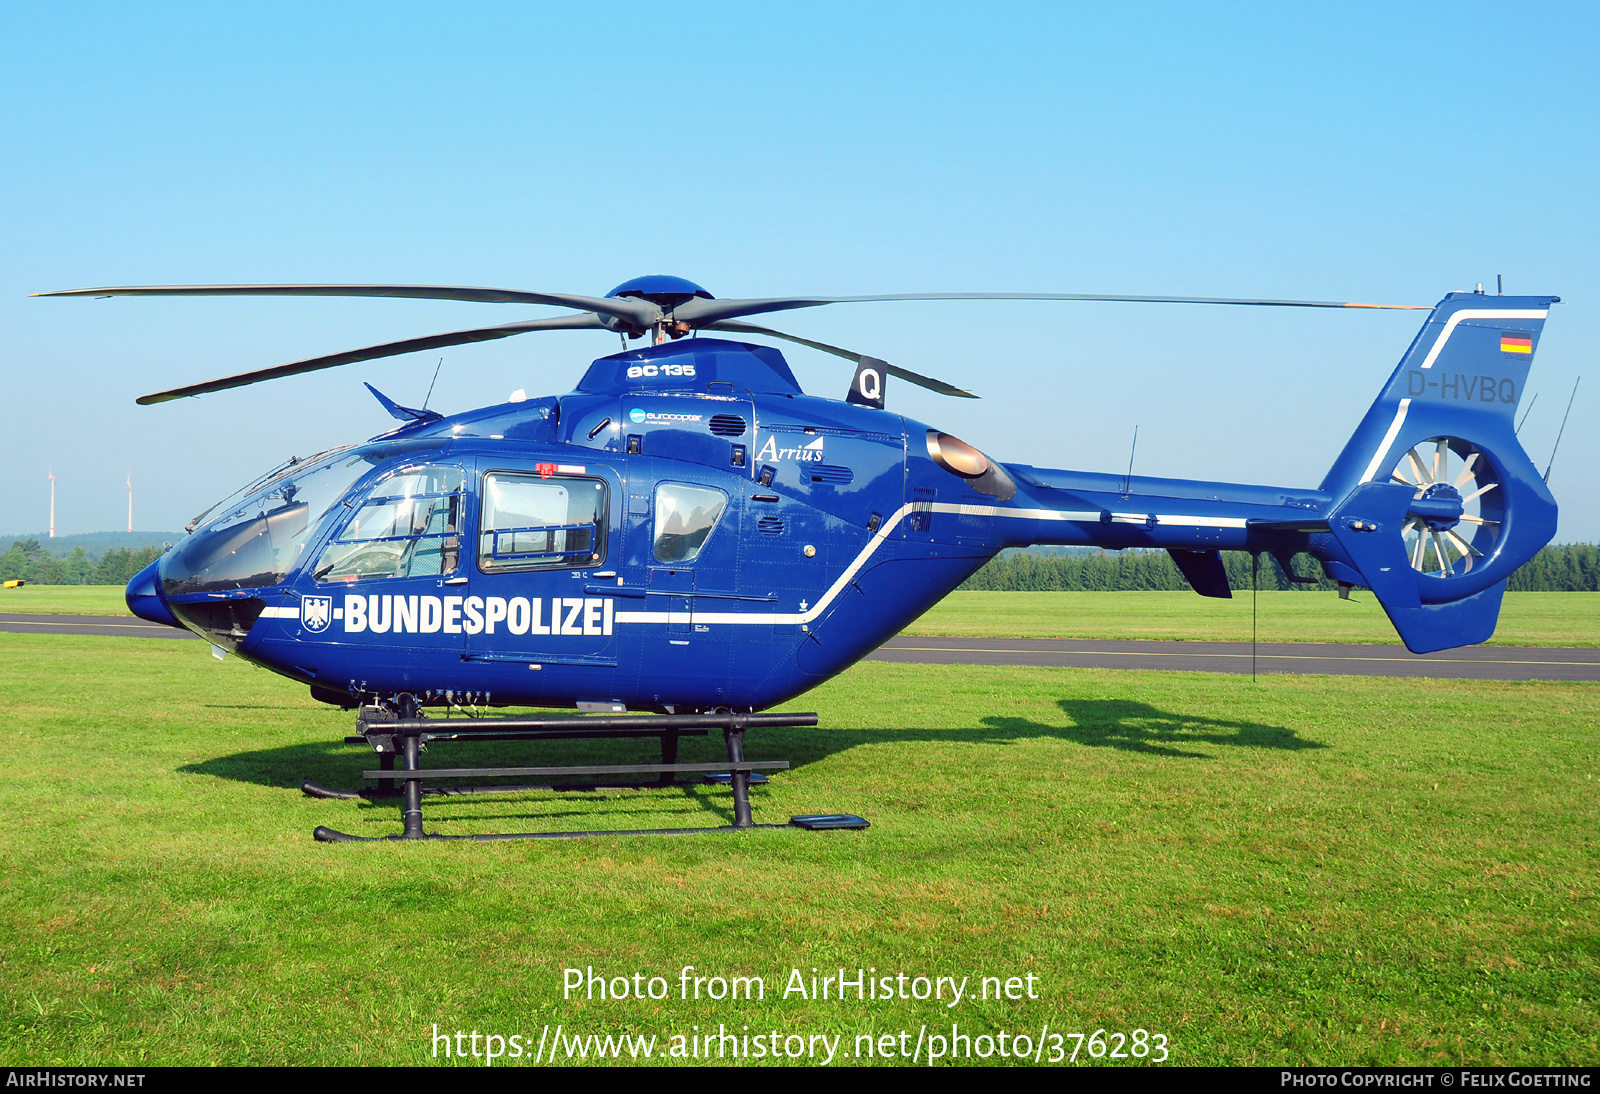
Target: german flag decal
<point>1513,342</point>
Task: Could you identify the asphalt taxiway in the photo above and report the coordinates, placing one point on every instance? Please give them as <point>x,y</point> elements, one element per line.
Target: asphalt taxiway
<point>1469,663</point>
<point>123,626</point>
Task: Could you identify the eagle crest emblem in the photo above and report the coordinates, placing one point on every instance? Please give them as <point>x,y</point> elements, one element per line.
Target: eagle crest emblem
<point>316,612</point>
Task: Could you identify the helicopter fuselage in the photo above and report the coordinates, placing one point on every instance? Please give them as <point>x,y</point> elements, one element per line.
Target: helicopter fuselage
<point>687,530</point>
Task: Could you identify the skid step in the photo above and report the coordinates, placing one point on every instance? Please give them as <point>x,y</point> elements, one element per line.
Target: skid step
<point>817,822</point>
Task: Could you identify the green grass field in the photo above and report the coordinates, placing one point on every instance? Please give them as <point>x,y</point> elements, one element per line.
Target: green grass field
<point>1301,870</point>
<point>1527,619</point>
<point>65,600</point>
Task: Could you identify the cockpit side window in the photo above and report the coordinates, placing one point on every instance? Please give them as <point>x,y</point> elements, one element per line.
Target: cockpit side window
<point>542,522</point>
<point>685,516</point>
<point>409,526</point>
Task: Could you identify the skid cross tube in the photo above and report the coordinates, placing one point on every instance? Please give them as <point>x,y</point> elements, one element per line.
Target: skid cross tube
<point>386,787</point>
<point>402,737</point>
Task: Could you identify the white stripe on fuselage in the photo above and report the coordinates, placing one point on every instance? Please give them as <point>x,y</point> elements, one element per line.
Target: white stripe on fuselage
<point>844,579</point>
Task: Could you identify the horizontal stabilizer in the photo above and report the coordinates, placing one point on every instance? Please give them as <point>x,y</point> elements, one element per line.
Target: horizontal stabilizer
<point>1204,571</point>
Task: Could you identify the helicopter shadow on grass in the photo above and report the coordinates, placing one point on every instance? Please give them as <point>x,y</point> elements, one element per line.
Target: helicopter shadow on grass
<point>1139,727</point>
<point>1122,724</point>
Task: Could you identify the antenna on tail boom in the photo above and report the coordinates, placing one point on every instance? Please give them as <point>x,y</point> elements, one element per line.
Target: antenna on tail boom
<point>1525,413</point>
<point>1562,430</point>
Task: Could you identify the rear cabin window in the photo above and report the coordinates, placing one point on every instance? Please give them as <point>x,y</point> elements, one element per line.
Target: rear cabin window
<point>685,516</point>
<point>409,526</point>
<point>531,522</point>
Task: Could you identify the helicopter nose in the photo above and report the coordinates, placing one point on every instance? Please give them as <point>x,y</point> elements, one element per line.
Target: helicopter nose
<point>144,597</point>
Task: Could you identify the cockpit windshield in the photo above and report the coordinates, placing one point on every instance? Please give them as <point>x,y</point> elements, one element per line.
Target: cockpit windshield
<point>257,541</point>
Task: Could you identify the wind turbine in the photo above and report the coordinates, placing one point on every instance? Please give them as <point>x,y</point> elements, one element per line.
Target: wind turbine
<point>52,473</point>
<point>130,501</point>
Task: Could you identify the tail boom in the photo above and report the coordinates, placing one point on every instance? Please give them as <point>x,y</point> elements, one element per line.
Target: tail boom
<point>1432,504</point>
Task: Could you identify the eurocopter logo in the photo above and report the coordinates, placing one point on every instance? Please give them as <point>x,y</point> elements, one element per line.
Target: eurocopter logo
<point>811,453</point>
<point>316,612</point>
<point>638,415</point>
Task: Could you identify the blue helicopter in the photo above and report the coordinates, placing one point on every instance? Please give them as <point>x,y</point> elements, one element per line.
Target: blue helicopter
<point>688,532</point>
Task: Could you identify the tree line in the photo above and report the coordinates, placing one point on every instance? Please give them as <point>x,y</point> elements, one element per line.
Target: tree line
<point>28,559</point>
<point>1572,567</point>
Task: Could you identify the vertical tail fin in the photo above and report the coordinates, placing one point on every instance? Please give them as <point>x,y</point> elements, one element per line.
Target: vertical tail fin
<point>1438,502</point>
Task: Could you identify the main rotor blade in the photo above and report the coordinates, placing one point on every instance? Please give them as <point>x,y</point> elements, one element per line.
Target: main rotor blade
<point>587,321</point>
<point>640,313</point>
<point>905,374</point>
<point>700,312</point>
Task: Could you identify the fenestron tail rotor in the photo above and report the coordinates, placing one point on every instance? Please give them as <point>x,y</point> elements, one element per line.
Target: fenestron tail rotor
<point>1458,507</point>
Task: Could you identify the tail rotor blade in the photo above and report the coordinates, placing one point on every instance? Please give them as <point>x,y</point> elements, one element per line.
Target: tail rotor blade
<point>1463,546</point>
<point>1438,550</point>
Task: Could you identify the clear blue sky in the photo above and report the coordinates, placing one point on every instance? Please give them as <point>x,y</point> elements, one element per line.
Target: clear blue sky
<point>1353,152</point>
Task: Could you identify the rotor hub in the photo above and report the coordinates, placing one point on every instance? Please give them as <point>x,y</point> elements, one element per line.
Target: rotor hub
<point>663,290</point>
<point>666,293</point>
<point>1439,507</point>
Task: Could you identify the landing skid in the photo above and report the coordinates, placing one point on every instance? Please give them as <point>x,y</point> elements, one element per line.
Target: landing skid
<point>400,736</point>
